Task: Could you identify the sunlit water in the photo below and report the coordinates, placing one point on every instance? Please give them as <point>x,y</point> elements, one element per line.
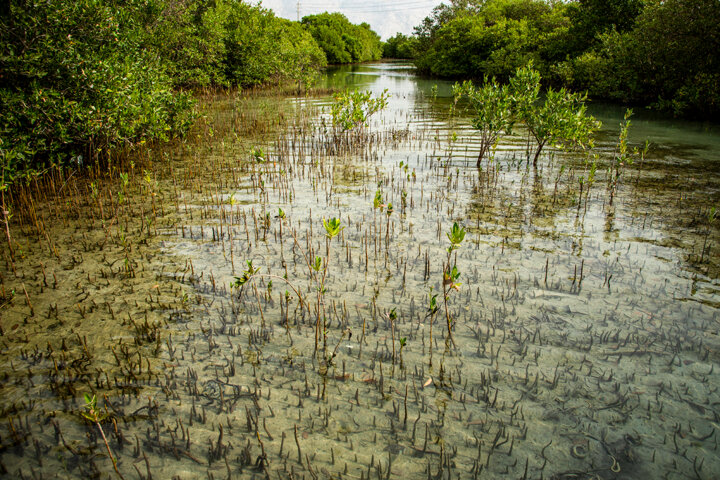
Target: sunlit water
<point>584,334</point>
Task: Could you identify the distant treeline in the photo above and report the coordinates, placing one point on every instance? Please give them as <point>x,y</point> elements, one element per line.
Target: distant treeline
<point>81,78</point>
<point>659,53</point>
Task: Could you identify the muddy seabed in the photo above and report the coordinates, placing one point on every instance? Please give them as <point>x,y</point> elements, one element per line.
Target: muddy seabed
<point>585,334</point>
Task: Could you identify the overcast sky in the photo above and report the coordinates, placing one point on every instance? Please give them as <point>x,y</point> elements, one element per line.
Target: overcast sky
<point>385,17</point>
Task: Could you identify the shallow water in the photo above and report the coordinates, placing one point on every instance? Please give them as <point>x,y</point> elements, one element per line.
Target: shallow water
<point>584,334</point>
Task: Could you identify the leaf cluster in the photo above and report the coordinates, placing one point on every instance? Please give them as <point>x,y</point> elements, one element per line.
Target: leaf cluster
<point>560,118</point>
<point>353,109</point>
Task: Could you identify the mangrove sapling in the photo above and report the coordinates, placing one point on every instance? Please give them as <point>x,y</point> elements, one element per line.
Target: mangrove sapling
<point>318,270</point>
<point>332,230</point>
<point>623,155</point>
<point>561,120</point>
<point>450,273</point>
<point>492,111</point>
<point>95,416</point>
<point>281,217</point>
<point>257,154</point>
<point>432,310</point>
<point>352,110</point>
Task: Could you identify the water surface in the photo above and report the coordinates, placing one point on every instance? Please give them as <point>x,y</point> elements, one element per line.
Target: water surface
<point>584,334</point>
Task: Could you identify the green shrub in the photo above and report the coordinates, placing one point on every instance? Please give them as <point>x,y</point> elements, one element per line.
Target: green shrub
<point>77,83</point>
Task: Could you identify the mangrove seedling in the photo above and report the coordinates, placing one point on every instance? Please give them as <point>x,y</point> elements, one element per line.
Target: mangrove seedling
<point>403,342</point>
<point>431,311</point>
<point>95,416</point>
<point>623,154</point>
<point>251,273</point>
<point>456,235</point>
<point>257,154</point>
<point>247,275</point>
<point>378,200</point>
<point>332,230</point>
<point>451,273</point>
<point>332,227</point>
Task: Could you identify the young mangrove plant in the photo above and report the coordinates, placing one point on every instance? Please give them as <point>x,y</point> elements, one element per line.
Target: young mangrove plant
<point>257,154</point>
<point>432,310</point>
<point>491,106</point>
<point>332,229</point>
<point>451,273</point>
<point>562,120</point>
<point>403,343</point>
<point>351,110</point>
<point>623,155</point>
<point>378,201</point>
<point>95,416</point>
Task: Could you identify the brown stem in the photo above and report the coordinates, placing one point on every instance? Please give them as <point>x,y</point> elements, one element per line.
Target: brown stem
<point>114,462</point>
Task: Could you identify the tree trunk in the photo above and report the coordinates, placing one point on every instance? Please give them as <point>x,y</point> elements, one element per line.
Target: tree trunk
<point>483,151</point>
<point>537,153</point>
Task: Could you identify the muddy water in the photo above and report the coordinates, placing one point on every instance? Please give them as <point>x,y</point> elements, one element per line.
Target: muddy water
<point>584,334</point>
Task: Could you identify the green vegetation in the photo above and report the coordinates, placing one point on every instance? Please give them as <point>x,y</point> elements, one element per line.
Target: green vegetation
<point>400,46</point>
<point>670,59</point>
<point>95,416</point>
<point>560,120</point>
<point>82,80</point>
<point>493,38</point>
<point>352,110</point>
<point>78,82</point>
<point>451,273</point>
<point>664,54</point>
<point>491,106</point>
<point>623,156</point>
<point>342,41</point>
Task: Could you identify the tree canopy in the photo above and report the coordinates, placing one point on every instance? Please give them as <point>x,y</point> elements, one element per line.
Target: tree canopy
<point>81,78</point>
<point>342,41</point>
<point>661,53</point>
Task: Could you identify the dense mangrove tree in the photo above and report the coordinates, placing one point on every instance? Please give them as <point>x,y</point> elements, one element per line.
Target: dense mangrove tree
<point>342,41</point>
<point>80,79</point>
<point>663,54</point>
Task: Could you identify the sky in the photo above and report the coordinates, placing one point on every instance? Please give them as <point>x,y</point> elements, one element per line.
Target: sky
<point>385,17</point>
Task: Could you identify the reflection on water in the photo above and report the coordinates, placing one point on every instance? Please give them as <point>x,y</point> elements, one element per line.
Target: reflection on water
<point>585,334</point>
